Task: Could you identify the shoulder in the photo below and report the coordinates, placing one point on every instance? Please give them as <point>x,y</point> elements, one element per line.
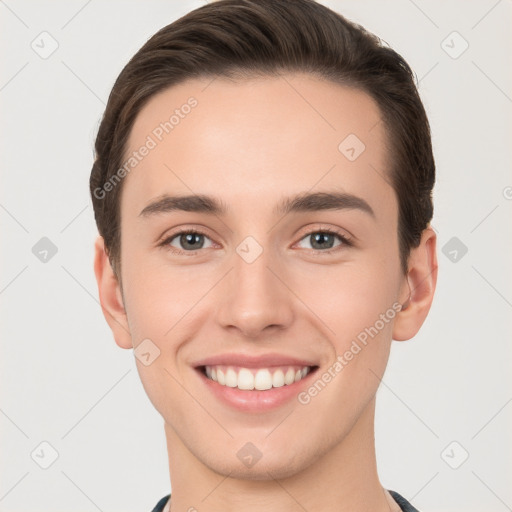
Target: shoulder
<point>402,502</point>
<point>161,504</point>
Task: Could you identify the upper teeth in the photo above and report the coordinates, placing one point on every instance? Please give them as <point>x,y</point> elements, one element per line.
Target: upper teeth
<point>252,378</point>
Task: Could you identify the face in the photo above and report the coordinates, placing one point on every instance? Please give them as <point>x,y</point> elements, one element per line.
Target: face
<point>264,290</point>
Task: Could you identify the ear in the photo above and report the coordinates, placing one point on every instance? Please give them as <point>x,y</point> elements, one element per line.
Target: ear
<point>111,298</point>
<point>418,287</point>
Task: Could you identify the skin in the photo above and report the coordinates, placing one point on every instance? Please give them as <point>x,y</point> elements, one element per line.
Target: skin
<point>252,142</point>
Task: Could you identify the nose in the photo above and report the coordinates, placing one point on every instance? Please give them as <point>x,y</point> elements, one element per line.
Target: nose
<point>254,297</point>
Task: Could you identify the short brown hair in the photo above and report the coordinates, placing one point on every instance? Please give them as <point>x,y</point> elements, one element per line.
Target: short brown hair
<point>243,38</point>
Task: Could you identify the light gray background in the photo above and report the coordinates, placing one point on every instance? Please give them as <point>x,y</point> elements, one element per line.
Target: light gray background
<point>65,382</point>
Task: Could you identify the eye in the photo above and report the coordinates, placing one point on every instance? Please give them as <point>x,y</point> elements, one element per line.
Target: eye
<point>186,241</point>
<point>323,240</point>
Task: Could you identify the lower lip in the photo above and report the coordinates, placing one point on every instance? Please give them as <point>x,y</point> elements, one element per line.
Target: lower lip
<point>255,400</point>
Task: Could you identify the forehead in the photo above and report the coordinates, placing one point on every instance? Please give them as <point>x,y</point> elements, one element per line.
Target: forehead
<point>257,138</point>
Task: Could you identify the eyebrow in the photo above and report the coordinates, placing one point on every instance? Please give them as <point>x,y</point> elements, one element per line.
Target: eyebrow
<point>305,202</point>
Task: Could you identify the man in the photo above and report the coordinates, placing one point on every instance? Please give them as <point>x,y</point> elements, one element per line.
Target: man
<point>262,188</point>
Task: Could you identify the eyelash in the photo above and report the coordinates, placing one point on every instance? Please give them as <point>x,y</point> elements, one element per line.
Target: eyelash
<point>346,242</point>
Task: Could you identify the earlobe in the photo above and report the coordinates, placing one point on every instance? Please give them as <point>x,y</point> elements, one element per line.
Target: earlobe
<point>111,298</point>
<point>420,282</point>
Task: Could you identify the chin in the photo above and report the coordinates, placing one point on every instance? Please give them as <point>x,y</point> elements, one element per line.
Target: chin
<point>259,472</point>
<point>274,466</point>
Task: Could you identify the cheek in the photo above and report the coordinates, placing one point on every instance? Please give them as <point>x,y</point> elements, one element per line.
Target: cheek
<point>350,297</point>
<point>357,306</point>
<point>157,296</point>
<point>364,332</point>
<point>360,309</point>
<point>160,308</point>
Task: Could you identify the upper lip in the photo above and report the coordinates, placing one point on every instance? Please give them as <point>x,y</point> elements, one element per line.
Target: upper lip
<point>248,361</point>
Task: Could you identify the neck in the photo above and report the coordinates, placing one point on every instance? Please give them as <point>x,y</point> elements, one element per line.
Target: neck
<point>344,479</point>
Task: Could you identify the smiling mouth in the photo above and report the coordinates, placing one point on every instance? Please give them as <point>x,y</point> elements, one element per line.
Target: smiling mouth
<point>259,379</point>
